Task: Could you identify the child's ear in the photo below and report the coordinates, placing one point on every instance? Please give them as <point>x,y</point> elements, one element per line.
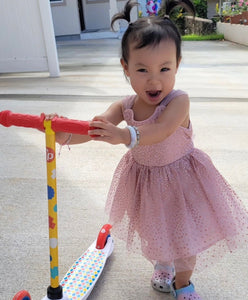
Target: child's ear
<point>125,67</point>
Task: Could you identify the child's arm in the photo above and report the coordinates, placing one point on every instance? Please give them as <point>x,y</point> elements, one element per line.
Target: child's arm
<point>108,130</point>
<point>64,138</point>
<point>113,115</point>
<point>176,114</point>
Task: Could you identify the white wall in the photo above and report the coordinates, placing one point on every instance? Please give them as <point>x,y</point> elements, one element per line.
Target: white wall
<point>142,7</point>
<point>66,18</point>
<point>26,37</point>
<point>212,8</point>
<point>97,15</point>
<point>234,32</point>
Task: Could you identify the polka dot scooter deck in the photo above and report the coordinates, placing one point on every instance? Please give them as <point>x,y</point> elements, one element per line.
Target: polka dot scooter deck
<point>81,278</point>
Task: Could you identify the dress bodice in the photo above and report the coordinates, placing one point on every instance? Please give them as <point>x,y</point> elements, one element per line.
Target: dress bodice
<point>177,145</point>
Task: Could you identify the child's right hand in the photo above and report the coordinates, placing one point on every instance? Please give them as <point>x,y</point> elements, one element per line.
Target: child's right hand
<point>51,116</point>
<point>61,137</point>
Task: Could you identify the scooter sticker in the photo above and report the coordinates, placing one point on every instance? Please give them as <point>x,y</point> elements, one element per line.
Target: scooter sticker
<point>50,192</point>
<point>54,272</point>
<point>53,176</point>
<point>50,154</point>
<point>51,223</point>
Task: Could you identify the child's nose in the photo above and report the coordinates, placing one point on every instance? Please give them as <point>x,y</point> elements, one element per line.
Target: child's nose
<point>154,79</point>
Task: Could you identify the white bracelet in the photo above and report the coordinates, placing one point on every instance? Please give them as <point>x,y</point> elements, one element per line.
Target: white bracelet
<point>134,133</point>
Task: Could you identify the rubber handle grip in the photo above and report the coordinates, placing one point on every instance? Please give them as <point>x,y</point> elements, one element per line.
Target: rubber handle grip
<point>7,119</point>
<point>69,125</point>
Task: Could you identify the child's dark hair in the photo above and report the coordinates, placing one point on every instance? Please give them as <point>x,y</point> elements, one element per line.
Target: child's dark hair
<point>149,31</point>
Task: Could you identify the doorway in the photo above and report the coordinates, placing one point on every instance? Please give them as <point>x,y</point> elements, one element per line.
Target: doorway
<point>81,14</point>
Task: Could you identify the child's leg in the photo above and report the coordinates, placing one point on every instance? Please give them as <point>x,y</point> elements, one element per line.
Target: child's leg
<point>182,287</point>
<point>182,279</point>
<point>184,269</point>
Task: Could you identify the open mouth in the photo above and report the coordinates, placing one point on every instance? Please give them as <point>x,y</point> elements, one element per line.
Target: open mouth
<point>153,94</point>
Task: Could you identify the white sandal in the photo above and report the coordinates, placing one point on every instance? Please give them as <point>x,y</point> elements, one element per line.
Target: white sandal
<point>162,278</point>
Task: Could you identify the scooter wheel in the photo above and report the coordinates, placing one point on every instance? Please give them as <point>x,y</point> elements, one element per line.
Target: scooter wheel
<point>22,295</point>
<point>103,236</point>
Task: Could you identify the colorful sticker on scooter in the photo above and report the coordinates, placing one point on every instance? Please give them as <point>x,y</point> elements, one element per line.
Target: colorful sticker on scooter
<point>54,272</point>
<point>53,176</point>
<point>51,223</point>
<point>53,243</point>
<point>50,192</point>
<point>50,154</point>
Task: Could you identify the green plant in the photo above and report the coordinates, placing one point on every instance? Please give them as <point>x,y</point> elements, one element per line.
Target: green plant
<point>211,37</point>
<point>177,16</point>
<point>201,7</point>
<point>227,12</point>
<point>217,8</point>
<point>240,6</point>
<point>235,9</point>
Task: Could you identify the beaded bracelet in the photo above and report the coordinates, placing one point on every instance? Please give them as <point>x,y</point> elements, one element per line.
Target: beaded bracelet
<point>66,143</point>
<point>135,136</point>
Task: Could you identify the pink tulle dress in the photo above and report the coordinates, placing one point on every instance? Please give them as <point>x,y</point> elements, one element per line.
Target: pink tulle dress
<point>168,201</point>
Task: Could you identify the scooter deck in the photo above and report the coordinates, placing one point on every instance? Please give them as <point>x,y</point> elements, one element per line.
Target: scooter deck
<point>84,273</point>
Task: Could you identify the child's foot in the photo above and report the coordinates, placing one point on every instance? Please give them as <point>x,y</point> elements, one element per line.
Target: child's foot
<point>162,278</point>
<point>186,293</point>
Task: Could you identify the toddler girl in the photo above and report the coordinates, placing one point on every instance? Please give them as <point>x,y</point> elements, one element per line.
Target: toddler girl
<point>166,199</point>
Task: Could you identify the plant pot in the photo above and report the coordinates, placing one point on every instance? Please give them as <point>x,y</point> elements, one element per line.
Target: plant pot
<point>237,19</point>
<point>245,17</point>
<point>226,19</point>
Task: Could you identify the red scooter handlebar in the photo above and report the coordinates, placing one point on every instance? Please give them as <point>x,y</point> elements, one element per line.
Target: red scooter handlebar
<point>7,119</point>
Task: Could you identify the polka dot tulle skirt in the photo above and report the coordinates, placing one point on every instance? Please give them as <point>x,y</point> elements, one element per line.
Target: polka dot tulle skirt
<point>169,202</point>
<point>178,211</point>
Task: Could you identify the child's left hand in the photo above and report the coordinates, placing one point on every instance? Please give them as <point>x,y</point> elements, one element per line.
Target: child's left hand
<point>105,131</point>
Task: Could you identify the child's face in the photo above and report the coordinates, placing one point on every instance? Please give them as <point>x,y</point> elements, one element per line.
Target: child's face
<point>152,71</point>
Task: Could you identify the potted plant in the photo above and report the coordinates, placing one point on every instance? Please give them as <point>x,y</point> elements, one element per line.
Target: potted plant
<point>236,13</point>
<point>226,13</point>
<point>240,12</point>
<point>244,9</point>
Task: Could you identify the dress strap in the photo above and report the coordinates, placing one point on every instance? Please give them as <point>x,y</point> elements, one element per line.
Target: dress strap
<point>127,102</point>
<point>173,94</point>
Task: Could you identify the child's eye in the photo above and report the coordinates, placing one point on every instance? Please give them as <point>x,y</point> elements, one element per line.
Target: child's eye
<point>165,70</point>
<point>141,70</point>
